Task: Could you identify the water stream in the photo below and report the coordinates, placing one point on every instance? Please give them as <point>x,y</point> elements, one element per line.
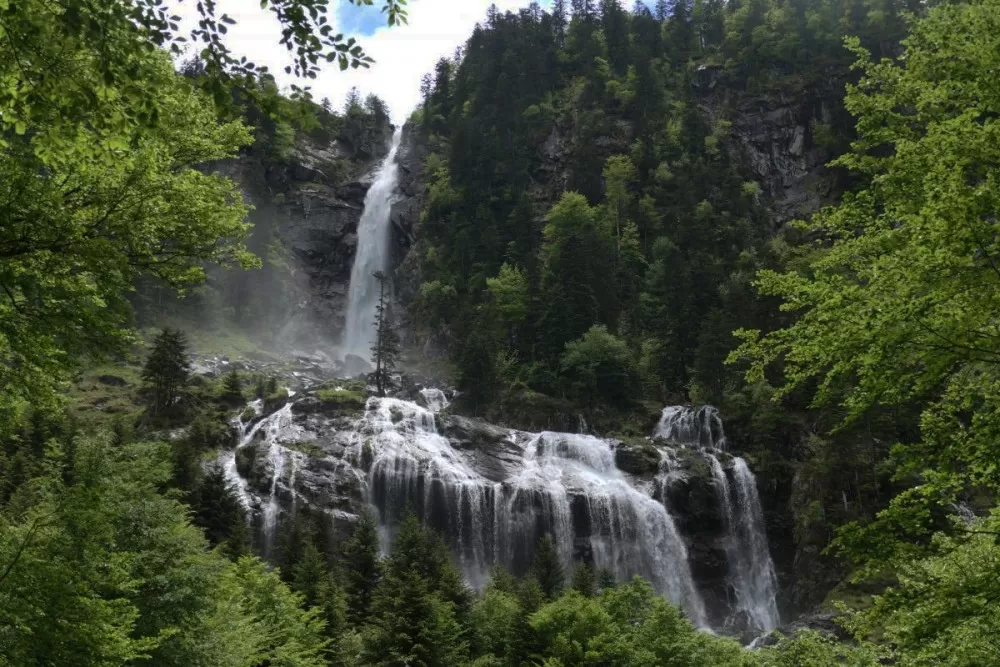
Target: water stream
<point>372,255</point>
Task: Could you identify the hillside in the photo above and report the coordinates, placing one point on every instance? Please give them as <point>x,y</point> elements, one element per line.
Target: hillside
<point>657,335</point>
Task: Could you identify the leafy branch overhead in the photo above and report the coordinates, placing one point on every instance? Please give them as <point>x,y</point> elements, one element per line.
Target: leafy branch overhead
<point>77,66</point>
<point>306,31</point>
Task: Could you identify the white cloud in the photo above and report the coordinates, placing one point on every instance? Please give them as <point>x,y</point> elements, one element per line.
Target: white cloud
<point>403,54</point>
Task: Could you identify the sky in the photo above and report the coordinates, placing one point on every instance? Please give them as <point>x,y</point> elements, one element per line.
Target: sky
<point>403,54</point>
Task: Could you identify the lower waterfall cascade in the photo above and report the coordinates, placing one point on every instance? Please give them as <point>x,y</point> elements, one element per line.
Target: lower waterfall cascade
<point>493,507</point>
<point>751,576</point>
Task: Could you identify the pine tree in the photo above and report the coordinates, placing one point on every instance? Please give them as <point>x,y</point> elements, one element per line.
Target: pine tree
<point>352,103</point>
<point>547,568</point>
<point>385,350</point>
<point>260,387</point>
<point>232,386</point>
<point>167,367</point>
<point>584,580</point>
<point>308,574</point>
<point>559,20</point>
<point>606,579</point>
<point>362,570</point>
<point>216,508</point>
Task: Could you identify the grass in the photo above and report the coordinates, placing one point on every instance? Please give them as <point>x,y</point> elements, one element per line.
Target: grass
<point>342,399</point>
<point>222,340</point>
<point>104,392</point>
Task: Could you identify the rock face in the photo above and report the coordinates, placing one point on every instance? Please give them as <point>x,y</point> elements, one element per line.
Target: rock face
<point>310,203</point>
<point>775,139</point>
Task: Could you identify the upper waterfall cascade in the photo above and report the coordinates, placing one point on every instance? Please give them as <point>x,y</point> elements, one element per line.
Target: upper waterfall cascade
<point>701,427</point>
<point>372,255</point>
<point>494,500</point>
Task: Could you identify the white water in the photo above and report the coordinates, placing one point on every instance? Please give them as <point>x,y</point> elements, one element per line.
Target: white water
<point>275,428</point>
<point>435,399</point>
<point>228,458</point>
<point>751,575</point>
<point>700,427</point>
<point>278,426</point>
<point>761,580</point>
<point>561,484</point>
<point>372,255</point>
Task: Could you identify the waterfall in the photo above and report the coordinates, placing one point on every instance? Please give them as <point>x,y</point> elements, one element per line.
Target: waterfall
<point>701,428</point>
<point>228,458</point>
<point>762,581</point>
<point>561,484</point>
<point>275,428</point>
<point>278,426</point>
<point>435,399</point>
<point>372,255</point>
<point>751,575</point>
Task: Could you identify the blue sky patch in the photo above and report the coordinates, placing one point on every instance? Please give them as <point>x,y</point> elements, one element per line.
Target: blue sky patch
<point>359,20</point>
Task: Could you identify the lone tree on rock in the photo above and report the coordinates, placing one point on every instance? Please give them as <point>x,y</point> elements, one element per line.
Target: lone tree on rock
<point>385,349</point>
<point>167,367</point>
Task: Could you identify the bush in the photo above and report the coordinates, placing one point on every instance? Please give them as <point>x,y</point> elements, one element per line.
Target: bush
<point>598,367</point>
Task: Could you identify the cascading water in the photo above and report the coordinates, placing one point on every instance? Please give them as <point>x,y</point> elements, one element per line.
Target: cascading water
<point>762,583</point>
<point>228,458</point>
<point>751,575</point>
<point>701,428</point>
<point>435,399</point>
<point>275,428</point>
<point>372,255</point>
<point>278,426</point>
<point>561,484</point>
<point>495,492</point>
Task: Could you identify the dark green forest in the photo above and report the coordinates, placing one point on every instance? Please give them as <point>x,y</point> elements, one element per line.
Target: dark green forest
<point>592,242</point>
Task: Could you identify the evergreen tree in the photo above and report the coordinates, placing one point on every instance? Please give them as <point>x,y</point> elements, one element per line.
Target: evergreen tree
<point>606,579</point>
<point>260,387</point>
<point>232,386</point>
<point>418,605</point>
<point>352,103</point>
<point>559,20</point>
<point>217,509</point>
<point>377,109</point>
<point>167,367</point>
<point>362,570</point>
<point>385,350</point>
<point>547,568</point>
<point>584,580</point>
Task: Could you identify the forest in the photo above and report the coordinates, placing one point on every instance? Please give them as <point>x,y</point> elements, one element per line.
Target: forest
<point>594,240</point>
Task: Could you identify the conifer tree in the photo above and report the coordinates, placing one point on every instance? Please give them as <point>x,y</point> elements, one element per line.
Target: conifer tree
<point>232,386</point>
<point>385,350</point>
<point>362,570</point>
<point>547,568</point>
<point>584,580</point>
<point>606,579</point>
<point>167,367</point>
<point>216,509</point>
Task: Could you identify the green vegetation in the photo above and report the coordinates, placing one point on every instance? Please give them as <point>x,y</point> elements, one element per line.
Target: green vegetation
<point>342,399</point>
<point>591,239</point>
